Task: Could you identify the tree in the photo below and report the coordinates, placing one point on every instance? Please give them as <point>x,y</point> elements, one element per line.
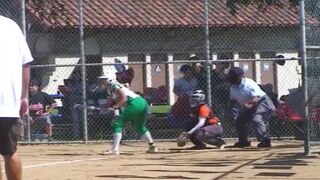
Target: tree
<point>262,4</point>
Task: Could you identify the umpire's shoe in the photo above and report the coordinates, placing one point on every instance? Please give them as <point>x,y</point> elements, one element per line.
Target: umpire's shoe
<point>242,144</point>
<point>266,143</point>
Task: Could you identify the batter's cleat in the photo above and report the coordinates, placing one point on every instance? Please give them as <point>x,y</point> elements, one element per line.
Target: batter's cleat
<point>111,152</point>
<point>152,149</point>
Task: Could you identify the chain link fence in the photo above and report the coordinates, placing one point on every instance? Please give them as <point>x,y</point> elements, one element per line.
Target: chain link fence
<point>68,121</point>
<point>312,8</point>
<point>74,42</point>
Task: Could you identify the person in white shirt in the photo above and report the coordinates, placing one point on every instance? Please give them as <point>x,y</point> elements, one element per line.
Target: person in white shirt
<point>183,89</point>
<point>14,79</point>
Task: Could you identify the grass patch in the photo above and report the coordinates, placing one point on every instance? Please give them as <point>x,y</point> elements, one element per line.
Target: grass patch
<point>160,109</point>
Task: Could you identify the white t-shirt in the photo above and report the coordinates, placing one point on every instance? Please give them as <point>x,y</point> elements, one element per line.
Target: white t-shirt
<point>14,52</point>
<point>247,89</point>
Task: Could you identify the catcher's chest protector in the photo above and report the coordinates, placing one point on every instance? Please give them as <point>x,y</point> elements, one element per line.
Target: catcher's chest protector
<point>196,110</point>
<point>204,110</point>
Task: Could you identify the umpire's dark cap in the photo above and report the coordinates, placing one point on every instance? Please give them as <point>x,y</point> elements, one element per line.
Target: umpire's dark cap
<point>236,72</point>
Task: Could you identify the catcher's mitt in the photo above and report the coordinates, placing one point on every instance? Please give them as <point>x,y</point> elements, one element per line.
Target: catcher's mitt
<point>182,139</point>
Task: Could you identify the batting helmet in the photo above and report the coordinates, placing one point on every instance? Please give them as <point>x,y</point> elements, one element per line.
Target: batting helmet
<point>109,78</point>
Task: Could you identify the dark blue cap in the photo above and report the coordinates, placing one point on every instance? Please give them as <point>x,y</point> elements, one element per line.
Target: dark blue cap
<point>236,72</point>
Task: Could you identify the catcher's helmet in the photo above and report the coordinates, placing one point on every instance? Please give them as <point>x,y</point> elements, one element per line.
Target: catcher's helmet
<point>197,97</point>
<point>109,78</point>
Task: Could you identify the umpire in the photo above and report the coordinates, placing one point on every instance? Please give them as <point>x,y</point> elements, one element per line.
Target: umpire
<point>253,105</point>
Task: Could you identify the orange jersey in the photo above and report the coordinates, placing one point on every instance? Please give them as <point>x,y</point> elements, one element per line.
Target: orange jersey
<point>205,111</point>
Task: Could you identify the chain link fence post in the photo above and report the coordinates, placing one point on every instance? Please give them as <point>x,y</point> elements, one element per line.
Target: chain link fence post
<point>83,72</point>
<point>303,60</point>
<point>207,51</point>
<point>312,9</point>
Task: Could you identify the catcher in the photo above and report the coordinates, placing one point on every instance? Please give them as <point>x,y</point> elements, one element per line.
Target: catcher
<point>203,128</point>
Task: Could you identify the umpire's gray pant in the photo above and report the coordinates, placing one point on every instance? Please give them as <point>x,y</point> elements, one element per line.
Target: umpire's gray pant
<point>259,117</point>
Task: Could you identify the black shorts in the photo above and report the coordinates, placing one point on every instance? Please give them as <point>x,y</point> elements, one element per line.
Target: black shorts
<point>8,135</point>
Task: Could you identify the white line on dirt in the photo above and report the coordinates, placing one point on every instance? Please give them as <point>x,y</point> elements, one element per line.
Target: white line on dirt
<point>61,162</point>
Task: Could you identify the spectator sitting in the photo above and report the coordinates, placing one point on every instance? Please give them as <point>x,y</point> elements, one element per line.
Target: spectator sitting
<point>183,88</point>
<point>220,86</point>
<point>41,104</point>
<point>268,89</point>
<point>102,99</point>
<point>74,100</point>
<point>200,73</point>
<point>219,75</point>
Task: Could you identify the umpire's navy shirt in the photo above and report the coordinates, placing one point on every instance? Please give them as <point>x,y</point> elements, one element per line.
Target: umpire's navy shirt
<point>247,89</point>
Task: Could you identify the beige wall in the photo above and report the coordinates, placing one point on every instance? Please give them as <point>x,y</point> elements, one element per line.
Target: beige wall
<point>267,69</point>
<point>158,71</point>
<point>247,66</point>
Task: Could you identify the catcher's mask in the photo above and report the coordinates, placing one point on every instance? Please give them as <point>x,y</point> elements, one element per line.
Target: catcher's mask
<point>197,97</point>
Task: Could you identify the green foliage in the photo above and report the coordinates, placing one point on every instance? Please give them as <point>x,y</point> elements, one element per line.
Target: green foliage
<point>160,109</point>
<point>262,4</point>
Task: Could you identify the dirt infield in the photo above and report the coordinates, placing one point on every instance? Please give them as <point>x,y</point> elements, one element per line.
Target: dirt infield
<point>78,162</point>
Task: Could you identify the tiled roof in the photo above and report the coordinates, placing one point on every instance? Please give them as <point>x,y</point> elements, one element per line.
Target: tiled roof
<point>161,13</point>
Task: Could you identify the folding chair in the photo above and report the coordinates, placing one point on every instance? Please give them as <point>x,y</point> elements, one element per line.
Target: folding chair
<point>286,114</point>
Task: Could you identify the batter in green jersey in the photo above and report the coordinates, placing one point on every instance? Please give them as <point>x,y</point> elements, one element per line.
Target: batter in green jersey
<point>135,110</point>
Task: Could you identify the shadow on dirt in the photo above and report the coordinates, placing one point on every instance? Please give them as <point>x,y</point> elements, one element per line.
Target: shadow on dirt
<point>143,177</point>
<point>195,172</point>
<point>284,161</point>
<point>183,164</point>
